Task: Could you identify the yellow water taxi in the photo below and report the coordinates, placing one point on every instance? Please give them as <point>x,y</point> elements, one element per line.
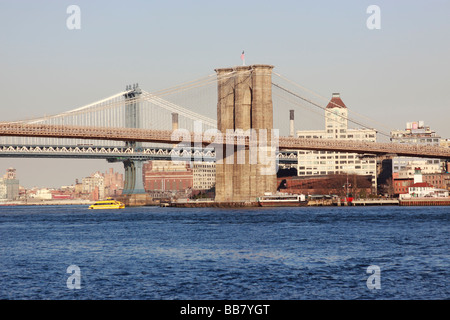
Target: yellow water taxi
<point>109,203</point>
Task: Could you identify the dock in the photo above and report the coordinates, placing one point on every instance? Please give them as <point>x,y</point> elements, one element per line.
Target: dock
<point>375,202</point>
<point>209,204</point>
<point>425,202</point>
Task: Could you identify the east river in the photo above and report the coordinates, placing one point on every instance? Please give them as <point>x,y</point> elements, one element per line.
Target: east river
<point>153,253</point>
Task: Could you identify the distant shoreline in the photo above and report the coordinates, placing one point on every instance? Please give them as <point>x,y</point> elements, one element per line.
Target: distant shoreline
<point>198,204</point>
<point>46,203</point>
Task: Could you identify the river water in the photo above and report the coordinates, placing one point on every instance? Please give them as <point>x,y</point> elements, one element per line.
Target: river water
<point>224,254</point>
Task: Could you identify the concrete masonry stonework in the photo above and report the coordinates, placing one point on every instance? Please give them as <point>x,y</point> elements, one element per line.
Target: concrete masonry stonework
<point>244,102</point>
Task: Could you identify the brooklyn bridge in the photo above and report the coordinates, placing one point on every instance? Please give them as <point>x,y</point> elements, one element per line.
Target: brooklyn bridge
<point>133,126</point>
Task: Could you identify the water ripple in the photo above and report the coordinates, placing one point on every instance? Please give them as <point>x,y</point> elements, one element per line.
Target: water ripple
<point>285,253</point>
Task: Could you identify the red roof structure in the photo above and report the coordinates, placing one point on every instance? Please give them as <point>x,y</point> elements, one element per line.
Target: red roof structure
<point>421,185</point>
<point>336,102</point>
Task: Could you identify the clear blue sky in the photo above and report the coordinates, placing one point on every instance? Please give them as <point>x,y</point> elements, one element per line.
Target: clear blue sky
<point>394,75</point>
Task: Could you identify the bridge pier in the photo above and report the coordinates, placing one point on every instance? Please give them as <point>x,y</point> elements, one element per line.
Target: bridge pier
<point>133,192</point>
<point>133,177</point>
<point>133,168</point>
<point>245,103</point>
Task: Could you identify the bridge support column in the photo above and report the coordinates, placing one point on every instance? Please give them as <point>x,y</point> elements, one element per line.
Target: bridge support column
<point>245,103</point>
<point>133,168</point>
<point>134,192</point>
<point>133,177</point>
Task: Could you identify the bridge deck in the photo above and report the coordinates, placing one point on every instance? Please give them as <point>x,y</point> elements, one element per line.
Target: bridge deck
<point>167,136</point>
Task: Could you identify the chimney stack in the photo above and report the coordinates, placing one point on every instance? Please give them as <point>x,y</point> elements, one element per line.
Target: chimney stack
<point>291,123</point>
<point>174,121</point>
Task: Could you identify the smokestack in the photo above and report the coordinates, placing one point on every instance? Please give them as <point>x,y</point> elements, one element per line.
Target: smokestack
<point>174,121</point>
<point>291,123</point>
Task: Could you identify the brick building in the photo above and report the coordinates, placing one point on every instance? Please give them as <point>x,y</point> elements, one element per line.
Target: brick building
<point>437,180</point>
<point>401,185</point>
<point>402,182</point>
<point>167,176</point>
<point>113,183</point>
<point>358,185</point>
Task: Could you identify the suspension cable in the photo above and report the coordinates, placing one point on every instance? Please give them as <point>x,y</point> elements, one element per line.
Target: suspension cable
<point>323,108</point>
<point>326,99</point>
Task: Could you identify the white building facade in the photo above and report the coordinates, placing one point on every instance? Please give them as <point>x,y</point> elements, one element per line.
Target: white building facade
<point>312,163</point>
<point>204,175</point>
<point>96,180</point>
<point>409,170</point>
<point>422,189</point>
<point>9,185</point>
<point>415,133</point>
<point>3,190</point>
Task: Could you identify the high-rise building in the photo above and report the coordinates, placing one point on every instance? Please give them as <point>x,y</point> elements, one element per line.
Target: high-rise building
<point>3,190</point>
<point>315,163</point>
<point>113,183</point>
<point>9,185</point>
<point>204,175</point>
<point>415,133</point>
<point>94,185</point>
<point>410,168</point>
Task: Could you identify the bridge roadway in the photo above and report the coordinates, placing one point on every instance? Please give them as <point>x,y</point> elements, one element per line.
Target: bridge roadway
<point>167,136</point>
<point>115,154</point>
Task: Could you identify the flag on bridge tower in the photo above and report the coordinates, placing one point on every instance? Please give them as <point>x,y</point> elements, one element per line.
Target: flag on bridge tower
<point>243,58</point>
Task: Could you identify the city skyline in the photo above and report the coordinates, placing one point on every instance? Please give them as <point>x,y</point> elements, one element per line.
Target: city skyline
<point>79,173</point>
<point>393,75</point>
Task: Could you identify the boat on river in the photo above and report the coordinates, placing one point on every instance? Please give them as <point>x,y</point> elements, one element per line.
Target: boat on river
<point>109,203</point>
<point>282,200</point>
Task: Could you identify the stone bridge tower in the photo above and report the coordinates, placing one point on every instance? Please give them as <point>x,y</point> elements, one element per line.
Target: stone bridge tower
<point>245,102</point>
